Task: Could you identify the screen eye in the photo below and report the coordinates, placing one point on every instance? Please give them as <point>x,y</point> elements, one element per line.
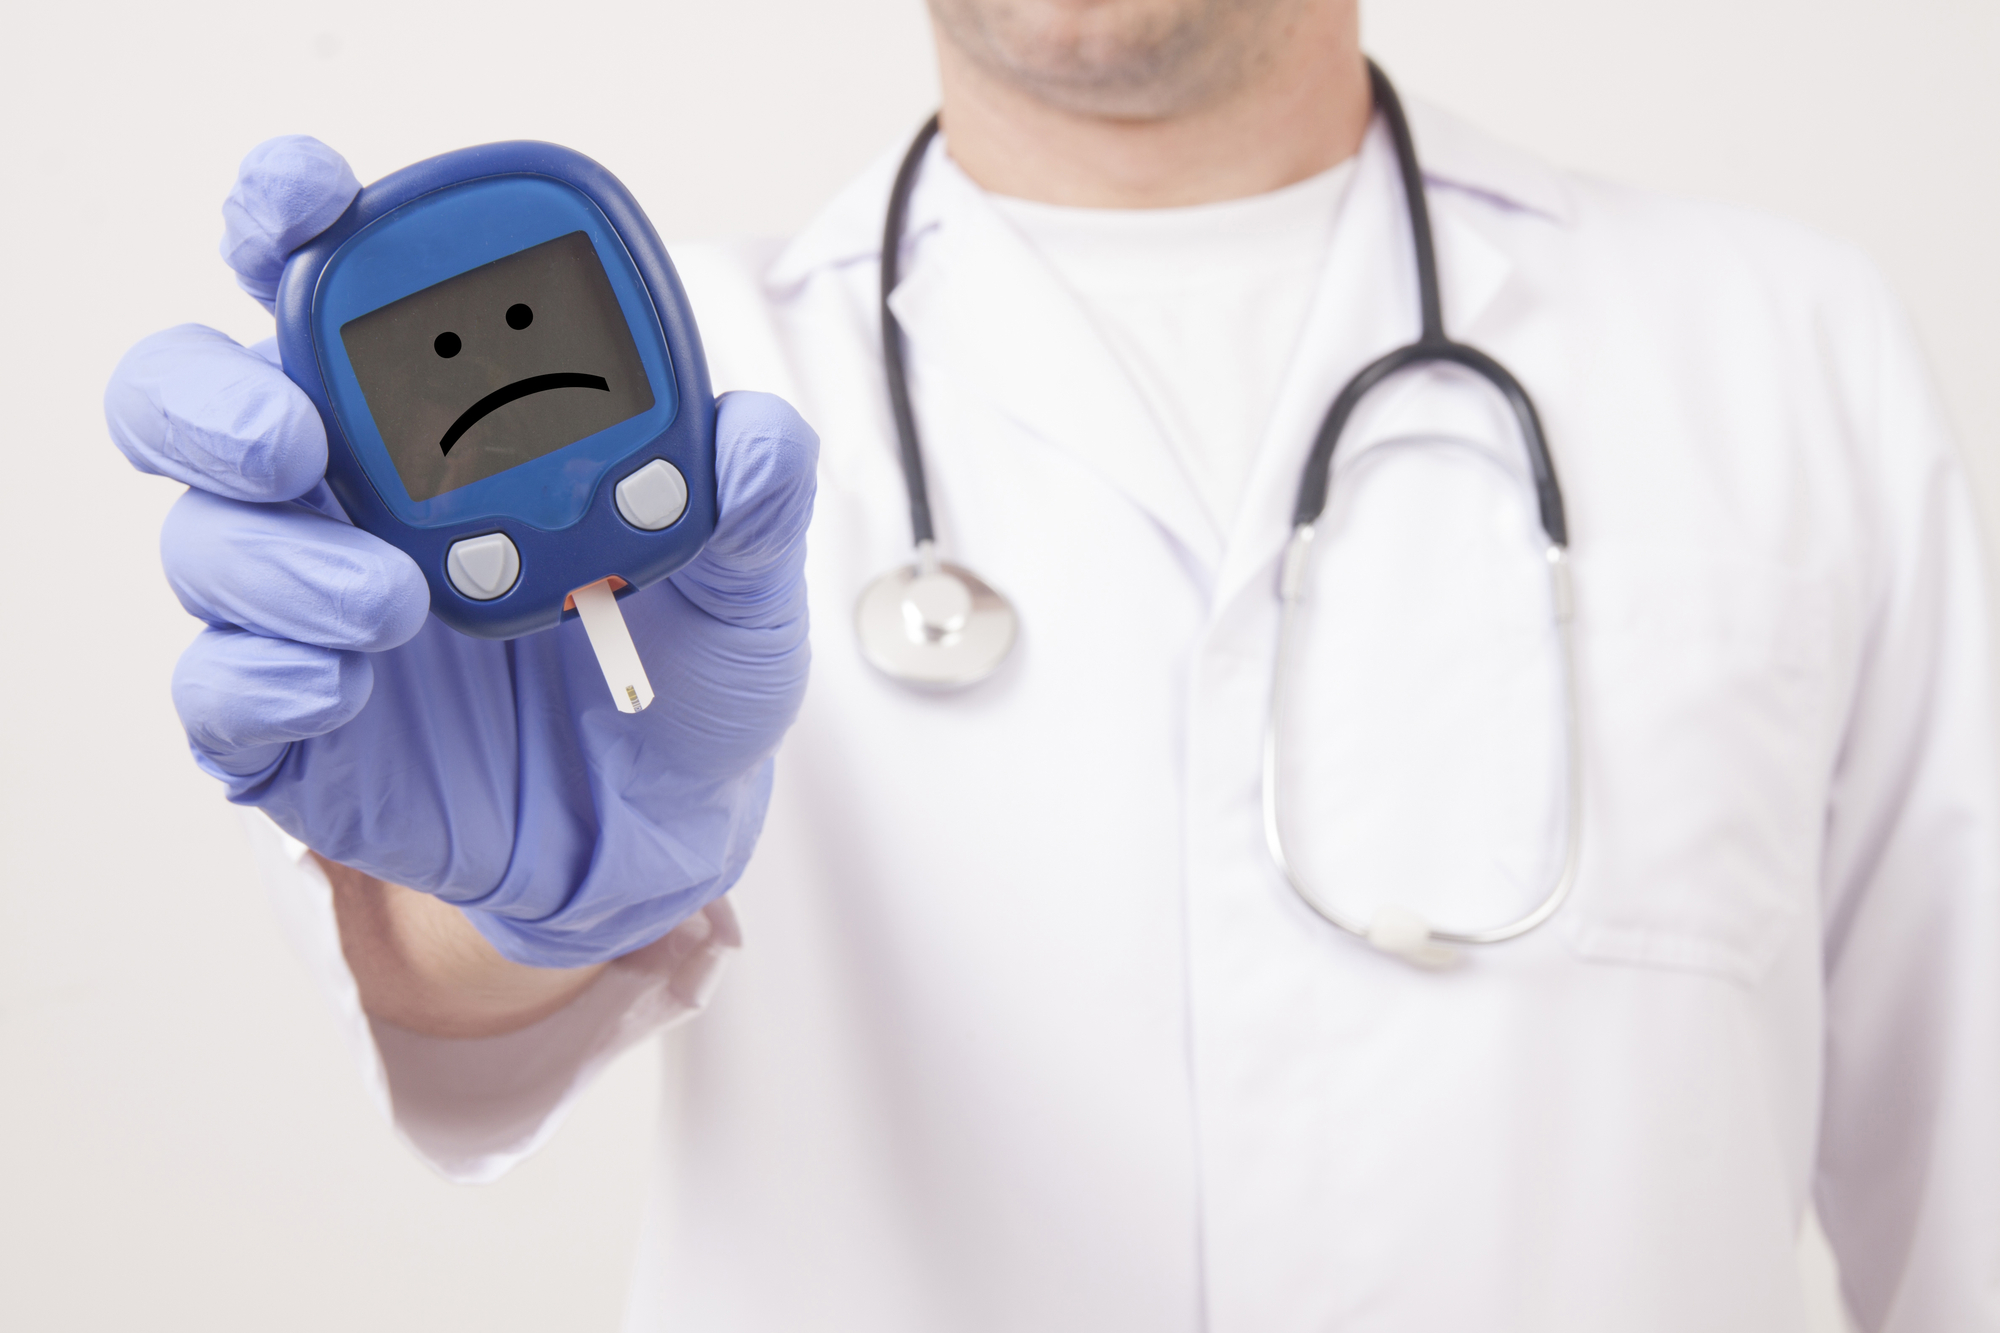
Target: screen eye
<point>447,345</point>
<point>519,317</point>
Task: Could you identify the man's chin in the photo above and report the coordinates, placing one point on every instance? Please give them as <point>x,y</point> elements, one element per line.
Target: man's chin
<point>1127,59</point>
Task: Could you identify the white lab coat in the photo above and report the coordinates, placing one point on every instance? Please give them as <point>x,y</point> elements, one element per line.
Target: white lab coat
<point>1025,1031</point>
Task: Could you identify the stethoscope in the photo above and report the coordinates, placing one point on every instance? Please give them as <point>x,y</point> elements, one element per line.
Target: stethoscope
<point>936,624</point>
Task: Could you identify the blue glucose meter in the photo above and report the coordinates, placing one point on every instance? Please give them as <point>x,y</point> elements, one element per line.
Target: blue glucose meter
<point>512,383</point>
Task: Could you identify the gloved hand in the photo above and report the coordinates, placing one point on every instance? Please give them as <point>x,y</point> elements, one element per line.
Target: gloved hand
<point>498,776</point>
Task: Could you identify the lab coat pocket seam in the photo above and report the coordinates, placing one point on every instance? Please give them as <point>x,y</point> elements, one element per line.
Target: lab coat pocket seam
<point>1704,795</point>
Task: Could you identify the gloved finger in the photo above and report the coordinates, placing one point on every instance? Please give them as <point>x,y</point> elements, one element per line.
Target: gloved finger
<point>287,572</point>
<point>191,404</point>
<point>239,693</point>
<point>752,572</point>
<point>288,190</point>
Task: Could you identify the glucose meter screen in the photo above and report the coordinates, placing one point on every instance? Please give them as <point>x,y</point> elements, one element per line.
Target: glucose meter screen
<point>498,366</point>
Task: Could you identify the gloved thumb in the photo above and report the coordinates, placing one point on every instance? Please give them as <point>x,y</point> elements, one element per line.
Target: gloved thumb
<point>288,190</point>
<point>752,572</point>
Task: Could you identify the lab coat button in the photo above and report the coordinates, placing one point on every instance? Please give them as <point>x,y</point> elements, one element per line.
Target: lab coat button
<point>653,497</point>
<point>483,567</point>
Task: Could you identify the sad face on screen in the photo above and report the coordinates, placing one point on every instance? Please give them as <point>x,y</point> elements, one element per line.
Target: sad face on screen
<point>502,364</point>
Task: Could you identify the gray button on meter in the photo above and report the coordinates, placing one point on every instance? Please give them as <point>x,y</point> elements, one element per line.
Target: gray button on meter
<point>654,496</point>
<point>483,567</point>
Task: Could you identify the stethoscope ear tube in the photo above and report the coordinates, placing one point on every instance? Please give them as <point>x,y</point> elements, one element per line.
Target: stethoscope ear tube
<point>1391,928</point>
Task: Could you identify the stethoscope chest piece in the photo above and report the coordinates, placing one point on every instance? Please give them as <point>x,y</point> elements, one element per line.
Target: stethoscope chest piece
<point>934,624</point>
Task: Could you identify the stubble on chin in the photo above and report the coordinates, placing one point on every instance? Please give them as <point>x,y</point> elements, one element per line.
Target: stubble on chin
<point>1137,59</point>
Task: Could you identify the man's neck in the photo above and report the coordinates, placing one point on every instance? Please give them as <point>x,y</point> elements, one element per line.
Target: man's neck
<point>1305,109</point>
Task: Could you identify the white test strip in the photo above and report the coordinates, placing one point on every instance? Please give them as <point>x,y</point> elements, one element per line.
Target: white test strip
<point>597,605</point>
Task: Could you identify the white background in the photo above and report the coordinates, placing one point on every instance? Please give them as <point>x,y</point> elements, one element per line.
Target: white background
<point>183,1144</point>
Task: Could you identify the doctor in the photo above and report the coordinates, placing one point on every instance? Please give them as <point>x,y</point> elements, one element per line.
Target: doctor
<point>1021,1027</point>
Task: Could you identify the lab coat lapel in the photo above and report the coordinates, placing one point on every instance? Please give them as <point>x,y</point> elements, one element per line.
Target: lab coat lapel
<point>1366,306</point>
<point>980,307</point>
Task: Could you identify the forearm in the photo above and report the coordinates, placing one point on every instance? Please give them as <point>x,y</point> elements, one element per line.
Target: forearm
<point>419,964</point>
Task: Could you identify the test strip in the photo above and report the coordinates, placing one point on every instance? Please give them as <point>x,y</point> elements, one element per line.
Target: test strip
<point>597,605</point>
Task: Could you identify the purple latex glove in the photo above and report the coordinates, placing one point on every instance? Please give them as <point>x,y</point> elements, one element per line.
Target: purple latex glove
<point>498,776</point>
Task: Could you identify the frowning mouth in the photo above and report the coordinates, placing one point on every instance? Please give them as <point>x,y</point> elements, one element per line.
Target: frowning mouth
<point>499,398</point>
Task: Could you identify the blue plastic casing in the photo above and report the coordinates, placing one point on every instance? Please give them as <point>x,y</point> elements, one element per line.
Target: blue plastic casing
<point>443,217</point>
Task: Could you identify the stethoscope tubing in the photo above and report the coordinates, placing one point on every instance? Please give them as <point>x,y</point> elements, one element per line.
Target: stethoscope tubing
<point>1390,928</point>
<point>1432,347</point>
<point>894,363</point>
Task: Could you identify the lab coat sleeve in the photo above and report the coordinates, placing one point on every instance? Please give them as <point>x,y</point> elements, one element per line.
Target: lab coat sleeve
<point>473,1108</point>
<point>1908,1183</point>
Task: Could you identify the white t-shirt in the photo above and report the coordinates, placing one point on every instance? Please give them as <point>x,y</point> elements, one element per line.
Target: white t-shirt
<point>1203,305</point>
